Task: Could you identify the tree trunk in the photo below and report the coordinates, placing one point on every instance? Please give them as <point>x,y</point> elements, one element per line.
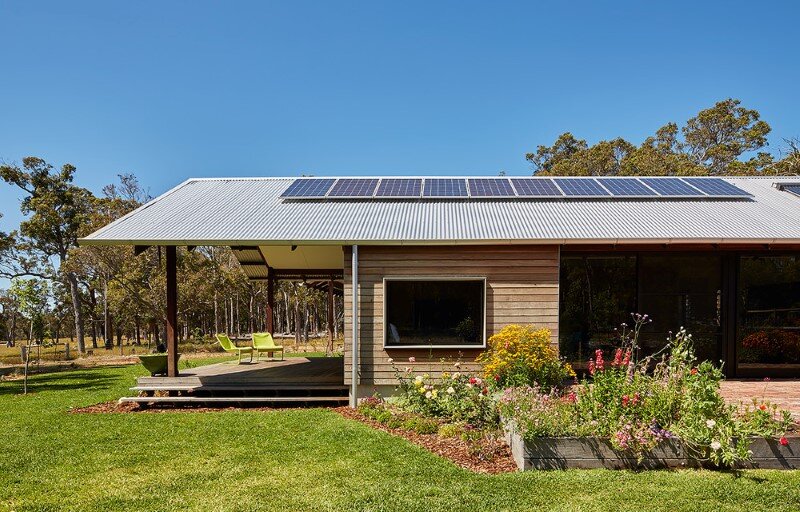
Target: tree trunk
<point>108,336</point>
<point>216,313</point>
<point>77,311</point>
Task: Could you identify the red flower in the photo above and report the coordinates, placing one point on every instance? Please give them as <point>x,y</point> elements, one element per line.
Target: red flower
<point>497,378</point>
<point>617,357</point>
<point>598,360</point>
<point>572,397</point>
<point>625,400</point>
<point>485,391</point>
<point>762,407</point>
<point>694,371</point>
<point>591,367</point>
<point>636,398</point>
<point>473,380</point>
<point>784,441</point>
<point>627,359</point>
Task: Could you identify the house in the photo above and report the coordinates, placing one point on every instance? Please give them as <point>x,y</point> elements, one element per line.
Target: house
<point>440,264</point>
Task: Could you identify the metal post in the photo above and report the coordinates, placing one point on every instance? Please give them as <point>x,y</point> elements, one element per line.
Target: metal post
<point>354,357</point>
<point>270,301</point>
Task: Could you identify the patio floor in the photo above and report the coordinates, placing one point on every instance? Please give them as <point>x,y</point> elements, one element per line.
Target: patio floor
<point>295,379</point>
<point>785,393</point>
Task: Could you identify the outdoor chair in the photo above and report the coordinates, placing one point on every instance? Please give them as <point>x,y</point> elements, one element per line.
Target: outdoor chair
<point>263,342</point>
<point>229,346</point>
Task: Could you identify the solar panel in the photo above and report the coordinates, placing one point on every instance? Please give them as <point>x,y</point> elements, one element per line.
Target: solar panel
<point>625,187</point>
<point>399,187</point>
<point>536,187</point>
<point>674,187</point>
<point>793,188</point>
<point>445,187</point>
<point>490,187</point>
<point>716,187</point>
<point>308,187</point>
<point>580,187</point>
<point>360,187</point>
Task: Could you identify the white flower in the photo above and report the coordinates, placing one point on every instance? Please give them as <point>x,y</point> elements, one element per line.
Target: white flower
<point>455,376</point>
<point>391,361</point>
<point>457,364</point>
<point>710,423</point>
<point>418,378</point>
<point>715,445</point>
<point>450,390</point>
<point>469,386</point>
<point>428,394</point>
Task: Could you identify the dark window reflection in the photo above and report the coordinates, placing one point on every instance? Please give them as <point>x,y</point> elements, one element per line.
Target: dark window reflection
<point>769,312</point>
<point>434,312</point>
<point>597,294</point>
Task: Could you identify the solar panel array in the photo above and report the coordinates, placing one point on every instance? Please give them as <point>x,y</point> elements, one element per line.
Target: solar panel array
<point>793,188</point>
<point>500,188</point>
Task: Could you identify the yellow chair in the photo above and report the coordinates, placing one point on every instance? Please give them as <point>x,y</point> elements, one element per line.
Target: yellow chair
<point>229,346</point>
<point>263,342</point>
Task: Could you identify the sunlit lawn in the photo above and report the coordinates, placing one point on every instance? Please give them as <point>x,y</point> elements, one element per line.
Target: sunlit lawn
<point>295,460</point>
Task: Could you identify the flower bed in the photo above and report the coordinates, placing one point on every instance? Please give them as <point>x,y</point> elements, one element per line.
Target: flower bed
<point>661,411</point>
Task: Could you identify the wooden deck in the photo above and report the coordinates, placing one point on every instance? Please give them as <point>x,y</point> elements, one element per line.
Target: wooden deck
<point>294,380</point>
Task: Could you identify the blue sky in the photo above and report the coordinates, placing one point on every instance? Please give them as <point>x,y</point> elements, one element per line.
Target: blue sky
<point>171,90</point>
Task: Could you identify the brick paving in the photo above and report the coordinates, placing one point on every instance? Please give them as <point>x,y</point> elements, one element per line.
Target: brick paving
<point>785,393</point>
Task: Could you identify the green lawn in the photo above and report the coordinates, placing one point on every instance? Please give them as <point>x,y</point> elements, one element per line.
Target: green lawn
<point>296,460</point>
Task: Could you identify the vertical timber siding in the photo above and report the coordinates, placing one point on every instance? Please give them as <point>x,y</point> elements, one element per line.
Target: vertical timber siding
<point>521,288</point>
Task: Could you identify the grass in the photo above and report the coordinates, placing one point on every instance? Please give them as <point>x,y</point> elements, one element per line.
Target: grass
<point>309,459</point>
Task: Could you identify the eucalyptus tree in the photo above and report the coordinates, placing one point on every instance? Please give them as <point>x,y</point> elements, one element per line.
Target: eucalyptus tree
<point>55,210</point>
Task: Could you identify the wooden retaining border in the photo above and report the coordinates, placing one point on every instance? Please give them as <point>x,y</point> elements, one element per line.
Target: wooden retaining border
<point>594,453</point>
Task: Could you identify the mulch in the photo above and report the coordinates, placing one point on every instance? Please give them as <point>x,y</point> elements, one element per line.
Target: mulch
<point>116,407</point>
<point>453,449</point>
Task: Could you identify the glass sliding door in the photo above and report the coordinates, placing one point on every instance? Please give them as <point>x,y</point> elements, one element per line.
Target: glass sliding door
<point>768,319</point>
<point>597,293</point>
<point>682,290</point>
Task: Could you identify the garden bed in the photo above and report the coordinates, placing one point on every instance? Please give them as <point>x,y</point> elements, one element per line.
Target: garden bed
<point>461,452</point>
<point>592,453</point>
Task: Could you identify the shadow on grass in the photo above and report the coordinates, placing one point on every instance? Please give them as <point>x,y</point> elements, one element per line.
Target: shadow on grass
<point>87,379</point>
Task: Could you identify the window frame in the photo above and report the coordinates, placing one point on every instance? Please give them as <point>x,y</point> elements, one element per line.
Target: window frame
<point>482,279</point>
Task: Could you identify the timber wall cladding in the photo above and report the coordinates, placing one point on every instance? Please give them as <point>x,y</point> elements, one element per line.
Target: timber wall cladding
<point>521,288</point>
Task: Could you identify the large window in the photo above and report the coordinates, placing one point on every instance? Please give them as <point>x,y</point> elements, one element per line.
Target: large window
<point>430,312</point>
<point>598,293</point>
<point>768,331</point>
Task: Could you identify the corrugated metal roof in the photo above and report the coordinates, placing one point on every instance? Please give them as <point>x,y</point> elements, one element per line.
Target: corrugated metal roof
<point>249,211</point>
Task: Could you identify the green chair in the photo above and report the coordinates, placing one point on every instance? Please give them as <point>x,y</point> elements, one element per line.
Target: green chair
<point>263,342</point>
<point>229,346</point>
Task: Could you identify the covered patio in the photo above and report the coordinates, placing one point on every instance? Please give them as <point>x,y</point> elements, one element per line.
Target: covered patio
<point>293,380</point>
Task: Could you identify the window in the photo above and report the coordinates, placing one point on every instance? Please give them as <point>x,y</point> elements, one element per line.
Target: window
<point>441,313</point>
<point>769,313</point>
<point>598,292</point>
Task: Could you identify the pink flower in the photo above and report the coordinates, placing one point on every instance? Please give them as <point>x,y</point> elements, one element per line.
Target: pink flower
<point>572,397</point>
<point>784,441</point>
<point>617,357</point>
<point>591,367</point>
<point>598,360</point>
<point>627,359</point>
<point>412,359</point>
<point>766,379</point>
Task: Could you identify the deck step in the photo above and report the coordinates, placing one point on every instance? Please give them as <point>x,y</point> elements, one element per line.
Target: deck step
<point>244,387</point>
<point>227,400</point>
